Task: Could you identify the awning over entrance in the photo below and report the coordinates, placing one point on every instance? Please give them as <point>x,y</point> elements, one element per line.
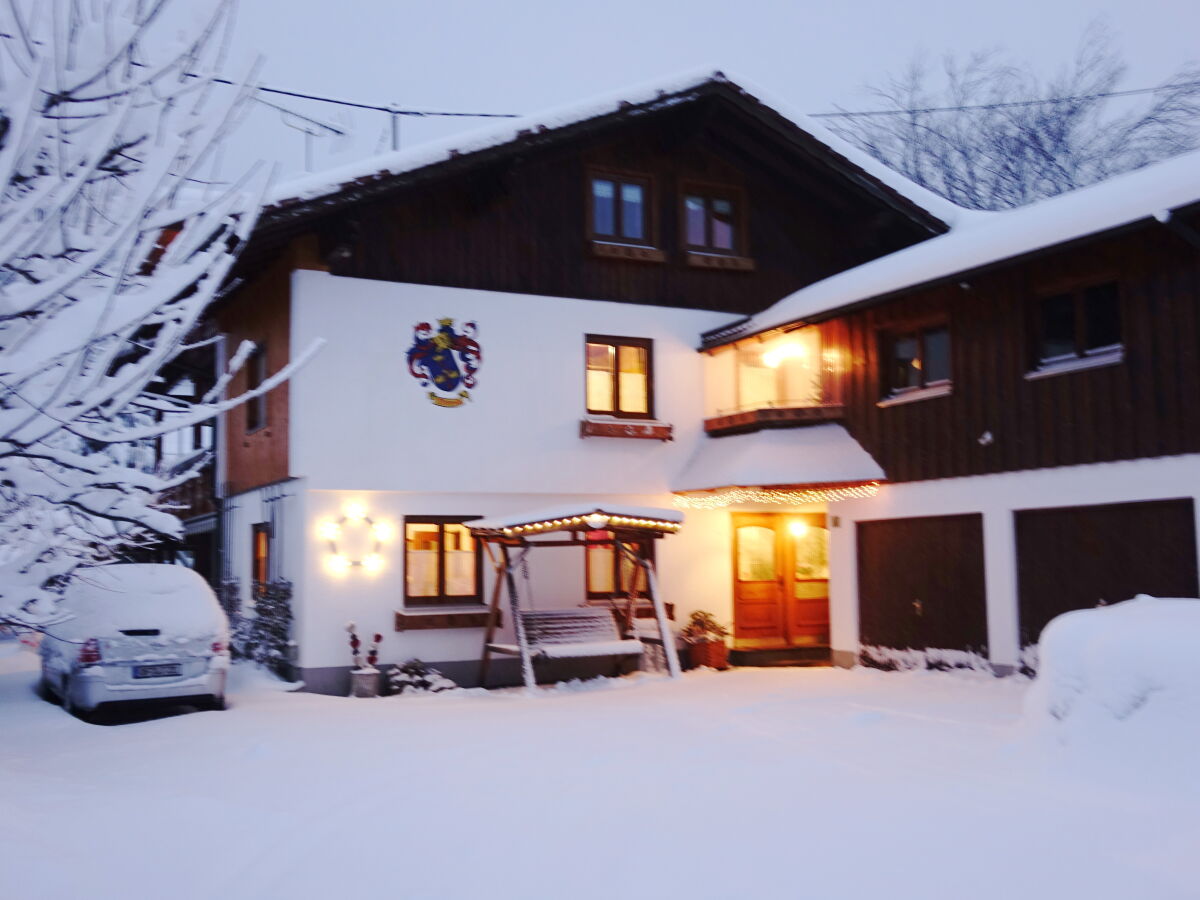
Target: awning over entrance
<point>812,456</point>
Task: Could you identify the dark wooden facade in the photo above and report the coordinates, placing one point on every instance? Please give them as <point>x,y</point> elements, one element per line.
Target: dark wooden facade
<point>996,419</point>
<point>519,221</point>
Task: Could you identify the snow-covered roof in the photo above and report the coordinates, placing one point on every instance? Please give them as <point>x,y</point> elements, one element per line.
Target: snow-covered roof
<point>581,515</point>
<point>666,92</point>
<point>1151,191</point>
<point>817,454</point>
<point>104,600</point>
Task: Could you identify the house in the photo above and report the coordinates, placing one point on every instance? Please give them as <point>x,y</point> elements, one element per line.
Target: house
<point>887,419</point>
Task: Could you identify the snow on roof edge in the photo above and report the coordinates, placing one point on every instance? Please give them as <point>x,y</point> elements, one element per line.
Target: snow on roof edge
<point>549,514</point>
<point>1121,200</point>
<point>319,184</point>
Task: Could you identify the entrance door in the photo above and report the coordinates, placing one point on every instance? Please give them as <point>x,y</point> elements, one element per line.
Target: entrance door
<point>781,580</point>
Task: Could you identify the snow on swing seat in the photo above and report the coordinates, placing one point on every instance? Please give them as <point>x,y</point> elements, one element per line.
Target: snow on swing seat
<point>570,634</point>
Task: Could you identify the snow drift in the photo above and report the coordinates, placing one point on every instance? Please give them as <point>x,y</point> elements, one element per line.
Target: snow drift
<point>1131,669</point>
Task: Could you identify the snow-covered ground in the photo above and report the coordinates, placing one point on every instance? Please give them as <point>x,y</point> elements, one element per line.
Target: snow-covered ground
<point>765,783</point>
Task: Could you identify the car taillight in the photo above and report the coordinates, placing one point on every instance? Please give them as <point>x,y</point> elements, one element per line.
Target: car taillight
<point>218,647</point>
<point>89,653</point>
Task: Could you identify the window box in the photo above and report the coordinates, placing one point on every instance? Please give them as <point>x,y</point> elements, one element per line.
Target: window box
<point>720,261</point>
<point>617,428</point>
<point>944,389</point>
<point>607,250</point>
<point>407,620</point>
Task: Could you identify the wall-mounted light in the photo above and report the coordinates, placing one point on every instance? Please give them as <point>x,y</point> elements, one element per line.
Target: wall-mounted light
<point>797,528</point>
<point>332,530</point>
<point>776,355</point>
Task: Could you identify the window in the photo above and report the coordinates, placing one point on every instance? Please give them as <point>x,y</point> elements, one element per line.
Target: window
<point>611,574</point>
<point>915,359</point>
<point>260,556</point>
<point>441,562</point>
<point>619,376</point>
<point>1079,324</point>
<point>256,374</point>
<point>710,221</point>
<point>620,209</point>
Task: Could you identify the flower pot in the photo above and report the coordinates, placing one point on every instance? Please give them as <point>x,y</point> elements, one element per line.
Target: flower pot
<point>364,682</point>
<point>713,654</point>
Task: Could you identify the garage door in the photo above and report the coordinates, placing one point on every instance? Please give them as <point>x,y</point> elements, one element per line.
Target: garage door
<point>1075,557</point>
<point>921,583</point>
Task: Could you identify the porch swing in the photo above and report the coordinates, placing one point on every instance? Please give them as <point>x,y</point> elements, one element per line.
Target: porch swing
<point>582,631</point>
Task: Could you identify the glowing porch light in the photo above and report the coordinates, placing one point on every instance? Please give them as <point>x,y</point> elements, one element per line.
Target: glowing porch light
<point>372,563</point>
<point>383,531</point>
<point>329,530</point>
<point>798,529</point>
<point>337,564</point>
<point>355,512</point>
<point>776,355</point>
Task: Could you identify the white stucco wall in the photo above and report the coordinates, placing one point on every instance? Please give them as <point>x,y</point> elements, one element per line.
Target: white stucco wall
<point>996,497</point>
<point>359,420</point>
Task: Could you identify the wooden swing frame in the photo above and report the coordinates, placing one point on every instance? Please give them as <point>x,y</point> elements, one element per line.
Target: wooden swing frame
<point>508,549</point>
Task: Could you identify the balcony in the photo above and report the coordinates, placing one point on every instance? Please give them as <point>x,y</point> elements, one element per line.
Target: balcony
<point>773,417</point>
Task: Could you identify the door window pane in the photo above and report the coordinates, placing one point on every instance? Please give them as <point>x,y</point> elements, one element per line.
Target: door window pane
<point>604,210</point>
<point>600,362</point>
<point>1102,311</point>
<point>812,554</point>
<point>422,547</point>
<point>1058,328</point>
<point>633,387</point>
<point>755,553</point>
<point>936,364</point>
<point>633,212</point>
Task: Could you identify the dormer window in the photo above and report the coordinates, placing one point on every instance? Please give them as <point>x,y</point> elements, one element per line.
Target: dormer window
<point>714,228</point>
<point>620,209</point>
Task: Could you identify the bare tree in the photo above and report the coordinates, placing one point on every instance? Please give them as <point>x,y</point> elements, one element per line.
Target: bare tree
<point>108,258</point>
<point>1005,151</point>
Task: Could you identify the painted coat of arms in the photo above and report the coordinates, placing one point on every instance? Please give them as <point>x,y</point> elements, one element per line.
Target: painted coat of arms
<point>445,361</point>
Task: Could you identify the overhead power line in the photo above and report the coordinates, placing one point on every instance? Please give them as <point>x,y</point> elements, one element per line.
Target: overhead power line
<point>1006,105</point>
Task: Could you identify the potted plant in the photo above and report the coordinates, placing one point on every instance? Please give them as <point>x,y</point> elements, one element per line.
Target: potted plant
<point>364,677</point>
<point>705,639</point>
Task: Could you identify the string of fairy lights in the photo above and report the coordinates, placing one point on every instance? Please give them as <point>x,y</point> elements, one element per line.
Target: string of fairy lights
<point>776,496</point>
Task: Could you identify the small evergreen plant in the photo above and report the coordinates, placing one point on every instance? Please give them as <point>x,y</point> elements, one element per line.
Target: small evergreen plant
<point>703,627</point>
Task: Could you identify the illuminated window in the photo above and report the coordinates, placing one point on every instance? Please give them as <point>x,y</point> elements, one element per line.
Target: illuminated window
<point>710,221</point>
<point>612,574</point>
<point>1078,324</point>
<point>620,209</point>
<point>441,562</point>
<point>915,359</point>
<point>619,376</point>
<point>260,555</point>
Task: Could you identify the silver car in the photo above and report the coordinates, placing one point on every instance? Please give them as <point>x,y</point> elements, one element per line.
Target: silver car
<point>137,632</point>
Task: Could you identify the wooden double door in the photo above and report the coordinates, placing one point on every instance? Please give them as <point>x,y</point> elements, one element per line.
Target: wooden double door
<point>780,580</point>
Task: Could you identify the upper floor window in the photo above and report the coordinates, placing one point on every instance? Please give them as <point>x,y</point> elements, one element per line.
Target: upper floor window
<point>441,562</point>
<point>619,376</point>
<point>916,358</point>
<point>620,209</point>
<point>710,221</point>
<point>256,374</point>
<point>1079,324</point>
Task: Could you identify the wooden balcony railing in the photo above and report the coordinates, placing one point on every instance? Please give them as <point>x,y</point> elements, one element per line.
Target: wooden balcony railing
<point>773,417</point>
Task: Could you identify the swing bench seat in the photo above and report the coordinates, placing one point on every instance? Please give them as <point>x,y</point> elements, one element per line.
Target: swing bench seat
<point>570,634</point>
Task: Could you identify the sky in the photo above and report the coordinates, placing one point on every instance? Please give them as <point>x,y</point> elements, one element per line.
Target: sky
<point>521,56</point>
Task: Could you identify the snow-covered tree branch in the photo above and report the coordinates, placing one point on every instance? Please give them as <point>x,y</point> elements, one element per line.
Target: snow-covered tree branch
<point>111,248</point>
<point>1002,151</point>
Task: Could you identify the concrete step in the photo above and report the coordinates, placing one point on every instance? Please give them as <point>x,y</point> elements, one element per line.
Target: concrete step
<point>782,656</point>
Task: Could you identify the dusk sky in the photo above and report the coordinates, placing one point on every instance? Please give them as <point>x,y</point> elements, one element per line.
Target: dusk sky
<point>528,55</point>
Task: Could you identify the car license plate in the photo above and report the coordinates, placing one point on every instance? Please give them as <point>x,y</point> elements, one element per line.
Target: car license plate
<point>162,670</point>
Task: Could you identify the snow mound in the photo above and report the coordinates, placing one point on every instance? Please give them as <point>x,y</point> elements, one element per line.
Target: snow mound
<point>1132,667</point>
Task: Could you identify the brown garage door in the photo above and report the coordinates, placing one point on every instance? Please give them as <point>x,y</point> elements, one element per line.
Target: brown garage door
<point>1075,557</point>
<point>921,583</point>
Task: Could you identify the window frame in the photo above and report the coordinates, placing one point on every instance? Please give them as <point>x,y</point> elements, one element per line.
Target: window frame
<point>260,564</point>
<point>256,374</point>
<point>649,208</point>
<point>709,191</point>
<point>918,329</point>
<point>1082,357</point>
<point>618,341</point>
<point>648,546</point>
<point>441,598</point>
